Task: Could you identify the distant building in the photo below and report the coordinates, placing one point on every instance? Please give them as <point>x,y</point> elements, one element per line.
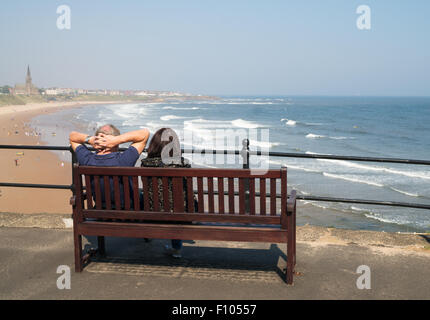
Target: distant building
<point>60,91</point>
<point>28,88</point>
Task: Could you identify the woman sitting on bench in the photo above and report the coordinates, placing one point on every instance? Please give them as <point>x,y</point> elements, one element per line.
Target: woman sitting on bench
<point>164,151</point>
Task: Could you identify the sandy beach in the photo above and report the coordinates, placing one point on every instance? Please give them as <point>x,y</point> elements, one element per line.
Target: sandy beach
<point>32,166</point>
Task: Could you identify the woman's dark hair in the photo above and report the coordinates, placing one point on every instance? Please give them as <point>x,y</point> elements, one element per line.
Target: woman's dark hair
<point>162,138</point>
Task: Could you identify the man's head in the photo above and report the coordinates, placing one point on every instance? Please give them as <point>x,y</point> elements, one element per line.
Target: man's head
<point>107,129</point>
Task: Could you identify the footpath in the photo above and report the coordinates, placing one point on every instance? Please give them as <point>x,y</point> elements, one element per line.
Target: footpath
<point>331,264</point>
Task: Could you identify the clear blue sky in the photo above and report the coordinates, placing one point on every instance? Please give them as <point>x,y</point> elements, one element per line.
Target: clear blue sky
<point>237,47</point>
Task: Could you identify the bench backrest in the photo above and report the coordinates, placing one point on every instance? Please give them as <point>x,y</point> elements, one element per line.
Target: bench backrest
<point>239,186</point>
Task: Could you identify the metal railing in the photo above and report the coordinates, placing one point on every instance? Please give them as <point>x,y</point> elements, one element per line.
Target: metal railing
<point>245,153</point>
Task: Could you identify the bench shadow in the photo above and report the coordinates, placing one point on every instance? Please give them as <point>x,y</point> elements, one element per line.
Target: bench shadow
<point>137,252</point>
<point>425,237</point>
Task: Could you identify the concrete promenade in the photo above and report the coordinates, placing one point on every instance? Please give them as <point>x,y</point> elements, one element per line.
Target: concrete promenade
<point>33,246</point>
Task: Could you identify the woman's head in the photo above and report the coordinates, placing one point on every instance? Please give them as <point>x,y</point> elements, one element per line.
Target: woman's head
<point>165,144</point>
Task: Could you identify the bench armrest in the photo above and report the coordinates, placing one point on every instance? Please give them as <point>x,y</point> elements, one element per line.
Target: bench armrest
<point>291,202</point>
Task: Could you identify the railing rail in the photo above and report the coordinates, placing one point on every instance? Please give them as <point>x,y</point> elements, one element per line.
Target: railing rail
<point>246,153</point>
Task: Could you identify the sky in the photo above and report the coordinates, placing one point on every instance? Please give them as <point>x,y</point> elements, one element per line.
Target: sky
<point>219,47</point>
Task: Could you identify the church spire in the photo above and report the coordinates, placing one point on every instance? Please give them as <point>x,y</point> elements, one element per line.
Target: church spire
<point>28,84</point>
<point>28,72</point>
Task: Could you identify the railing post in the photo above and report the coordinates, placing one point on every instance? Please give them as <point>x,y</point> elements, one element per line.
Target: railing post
<point>74,160</point>
<point>245,157</point>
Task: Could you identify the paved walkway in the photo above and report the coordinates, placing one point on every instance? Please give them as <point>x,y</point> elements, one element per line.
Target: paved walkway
<point>327,261</point>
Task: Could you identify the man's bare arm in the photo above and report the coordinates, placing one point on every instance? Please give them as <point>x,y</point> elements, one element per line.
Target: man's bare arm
<point>77,138</point>
<point>138,138</point>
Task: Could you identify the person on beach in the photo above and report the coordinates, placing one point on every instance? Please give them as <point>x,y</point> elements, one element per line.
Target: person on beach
<point>105,141</point>
<point>164,151</point>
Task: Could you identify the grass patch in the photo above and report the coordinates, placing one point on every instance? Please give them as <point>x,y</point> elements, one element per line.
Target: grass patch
<point>6,99</point>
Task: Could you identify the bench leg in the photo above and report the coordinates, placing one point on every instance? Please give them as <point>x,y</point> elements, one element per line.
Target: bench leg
<point>78,253</point>
<point>290,262</point>
<point>291,247</point>
<point>101,245</point>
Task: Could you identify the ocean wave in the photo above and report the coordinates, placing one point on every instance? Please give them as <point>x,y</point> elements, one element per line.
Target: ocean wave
<point>405,192</point>
<point>245,124</point>
<point>353,208</point>
<point>200,123</point>
<point>394,220</point>
<point>239,102</point>
<point>302,169</point>
<point>317,136</point>
<point>290,122</point>
<point>314,124</point>
<point>314,136</point>
<point>316,204</point>
<point>170,117</point>
<point>411,174</point>
<point>180,108</point>
<point>352,179</point>
<point>263,144</point>
<point>294,167</point>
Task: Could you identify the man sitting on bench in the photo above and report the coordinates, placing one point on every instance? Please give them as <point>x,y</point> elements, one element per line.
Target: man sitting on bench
<point>106,140</point>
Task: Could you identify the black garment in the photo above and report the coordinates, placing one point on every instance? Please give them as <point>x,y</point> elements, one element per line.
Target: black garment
<point>157,162</point>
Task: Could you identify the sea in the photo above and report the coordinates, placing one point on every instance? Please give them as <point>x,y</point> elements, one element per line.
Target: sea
<point>388,127</point>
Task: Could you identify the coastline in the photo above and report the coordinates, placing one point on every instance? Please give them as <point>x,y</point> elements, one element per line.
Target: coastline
<point>21,125</point>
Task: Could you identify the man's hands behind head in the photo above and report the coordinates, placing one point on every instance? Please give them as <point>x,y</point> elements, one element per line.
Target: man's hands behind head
<point>105,142</point>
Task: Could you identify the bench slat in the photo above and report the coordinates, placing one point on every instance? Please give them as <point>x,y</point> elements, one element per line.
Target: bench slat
<point>179,172</point>
<point>107,192</point>
<point>89,191</point>
<point>171,216</point>
<point>136,198</point>
<point>190,194</point>
<point>272,196</point>
<point>211,194</point>
<point>126,192</point>
<point>166,202</point>
<point>252,196</point>
<point>241,196</point>
<point>97,192</point>
<point>200,194</point>
<point>155,197</point>
<point>117,195</point>
<point>221,195</point>
<point>185,232</point>
<point>145,190</point>
<point>178,195</point>
<point>263,196</point>
<point>231,195</point>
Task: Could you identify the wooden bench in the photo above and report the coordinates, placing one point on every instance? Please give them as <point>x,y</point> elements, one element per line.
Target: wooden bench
<point>263,219</point>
